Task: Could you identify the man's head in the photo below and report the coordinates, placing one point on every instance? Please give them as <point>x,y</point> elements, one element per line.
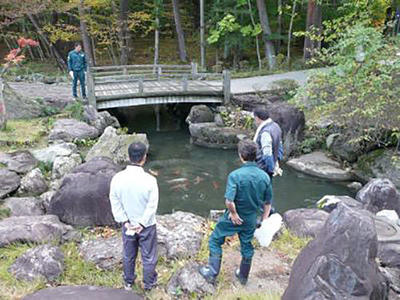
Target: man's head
<point>260,114</point>
<point>247,150</point>
<point>137,153</point>
<point>78,47</point>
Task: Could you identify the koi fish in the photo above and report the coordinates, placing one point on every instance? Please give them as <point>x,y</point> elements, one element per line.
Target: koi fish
<point>198,179</point>
<point>181,186</point>
<point>153,172</point>
<point>178,180</point>
<point>215,185</point>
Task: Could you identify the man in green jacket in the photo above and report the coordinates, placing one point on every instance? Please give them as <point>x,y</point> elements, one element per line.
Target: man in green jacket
<point>77,67</point>
<point>248,193</point>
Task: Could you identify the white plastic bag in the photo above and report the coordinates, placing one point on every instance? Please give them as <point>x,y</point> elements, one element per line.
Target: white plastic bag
<point>390,214</point>
<point>268,228</point>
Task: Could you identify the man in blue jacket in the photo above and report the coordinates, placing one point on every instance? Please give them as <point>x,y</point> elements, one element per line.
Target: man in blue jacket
<point>77,67</point>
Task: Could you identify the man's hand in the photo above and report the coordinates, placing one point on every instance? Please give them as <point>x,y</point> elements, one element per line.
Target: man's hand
<point>235,219</point>
<point>71,73</point>
<point>138,228</point>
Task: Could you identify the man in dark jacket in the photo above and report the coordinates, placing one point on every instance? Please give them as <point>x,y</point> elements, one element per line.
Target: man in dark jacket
<point>77,67</point>
<point>248,193</point>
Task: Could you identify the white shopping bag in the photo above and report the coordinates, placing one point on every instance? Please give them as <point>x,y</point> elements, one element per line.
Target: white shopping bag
<point>268,228</point>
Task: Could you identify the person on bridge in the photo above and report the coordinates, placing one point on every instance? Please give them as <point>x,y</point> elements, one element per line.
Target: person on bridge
<point>268,138</point>
<point>248,192</point>
<point>77,67</point>
<point>134,201</point>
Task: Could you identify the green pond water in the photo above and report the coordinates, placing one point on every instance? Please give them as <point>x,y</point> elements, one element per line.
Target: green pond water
<point>192,178</point>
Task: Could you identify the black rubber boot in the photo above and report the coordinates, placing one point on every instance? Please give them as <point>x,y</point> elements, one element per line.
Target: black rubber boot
<point>242,274</point>
<point>211,271</point>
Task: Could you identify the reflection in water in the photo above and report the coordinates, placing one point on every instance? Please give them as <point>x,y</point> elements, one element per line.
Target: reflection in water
<point>193,179</point>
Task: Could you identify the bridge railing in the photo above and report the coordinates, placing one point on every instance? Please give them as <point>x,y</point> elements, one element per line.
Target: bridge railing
<point>107,80</point>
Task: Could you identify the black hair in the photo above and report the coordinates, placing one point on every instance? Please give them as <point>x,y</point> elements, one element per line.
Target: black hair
<point>76,44</point>
<point>247,150</point>
<point>261,112</point>
<point>137,151</point>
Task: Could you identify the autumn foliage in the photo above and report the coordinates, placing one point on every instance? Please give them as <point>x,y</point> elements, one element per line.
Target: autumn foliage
<point>15,56</point>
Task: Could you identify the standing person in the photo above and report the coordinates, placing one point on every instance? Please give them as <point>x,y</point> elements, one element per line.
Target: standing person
<point>248,192</point>
<point>77,67</point>
<point>134,201</point>
<point>268,138</point>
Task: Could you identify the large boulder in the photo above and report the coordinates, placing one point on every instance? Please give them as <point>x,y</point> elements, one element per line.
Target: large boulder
<point>115,146</point>
<point>69,130</point>
<point>305,222</point>
<point>33,229</point>
<point>83,293</point>
<point>330,202</point>
<point>343,149</point>
<point>189,281</point>
<point>64,164</point>
<point>43,262</point>
<point>200,114</point>
<point>28,206</point>
<point>319,165</point>
<point>20,161</point>
<point>379,194</point>
<point>33,183</point>
<point>49,154</point>
<point>179,234</point>
<point>9,182</point>
<point>212,136</point>
<point>105,253</point>
<point>99,120</point>
<point>380,163</point>
<point>83,198</point>
<point>340,262</point>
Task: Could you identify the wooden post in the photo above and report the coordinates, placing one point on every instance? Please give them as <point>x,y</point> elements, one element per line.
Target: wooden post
<point>202,43</point>
<point>194,70</point>
<point>184,83</point>
<point>3,116</point>
<point>159,72</point>
<point>226,86</point>
<point>157,112</point>
<point>91,88</point>
<point>124,71</point>
<point>141,85</point>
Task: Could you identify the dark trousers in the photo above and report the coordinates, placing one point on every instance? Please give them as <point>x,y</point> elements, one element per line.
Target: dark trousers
<point>79,75</point>
<point>147,242</point>
<point>225,228</point>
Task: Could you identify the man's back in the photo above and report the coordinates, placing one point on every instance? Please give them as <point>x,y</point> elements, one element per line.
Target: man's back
<point>250,187</point>
<point>135,189</point>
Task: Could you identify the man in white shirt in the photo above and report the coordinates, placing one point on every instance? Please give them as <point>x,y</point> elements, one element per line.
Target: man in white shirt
<point>134,201</point>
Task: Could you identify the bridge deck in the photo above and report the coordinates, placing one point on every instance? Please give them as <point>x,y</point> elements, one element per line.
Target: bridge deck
<point>132,85</point>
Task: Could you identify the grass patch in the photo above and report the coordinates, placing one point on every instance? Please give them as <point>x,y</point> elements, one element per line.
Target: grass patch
<point>5,212</point>
<point>22,134</point>
<point>289,244</point>
<point>245,296</point>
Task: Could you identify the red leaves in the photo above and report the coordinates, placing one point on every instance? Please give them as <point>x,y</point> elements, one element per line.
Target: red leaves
<point>15,55</point>
<point>22,43</point>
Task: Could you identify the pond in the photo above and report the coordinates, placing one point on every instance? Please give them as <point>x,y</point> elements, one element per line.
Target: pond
<point>193,178</point>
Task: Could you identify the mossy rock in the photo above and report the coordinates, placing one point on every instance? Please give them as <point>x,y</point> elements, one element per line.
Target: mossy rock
<point>381,163</point>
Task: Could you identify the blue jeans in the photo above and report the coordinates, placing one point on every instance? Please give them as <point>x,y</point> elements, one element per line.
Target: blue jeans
<point>79,75</point>
<point>147,242</point>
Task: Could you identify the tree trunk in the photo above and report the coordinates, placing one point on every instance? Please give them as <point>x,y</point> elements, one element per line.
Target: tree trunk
<point>257,44</point>
<point>123,31</point>
<point>202,39</point>
<point>156,39</point>
<point>269,46</point>
<point>279,41</point>
<point>84,33</point>
<point>314,24</point>
<point>290,33</point>
<point>179,31</point>
<point>60,61</point>
<point>3,119</point>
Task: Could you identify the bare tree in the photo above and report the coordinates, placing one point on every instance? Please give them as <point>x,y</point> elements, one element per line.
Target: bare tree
<point>123,31</point>
<point>269,46</point>
<point>84,33</point>
<point>179,31</point>
<point>313,27</point>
